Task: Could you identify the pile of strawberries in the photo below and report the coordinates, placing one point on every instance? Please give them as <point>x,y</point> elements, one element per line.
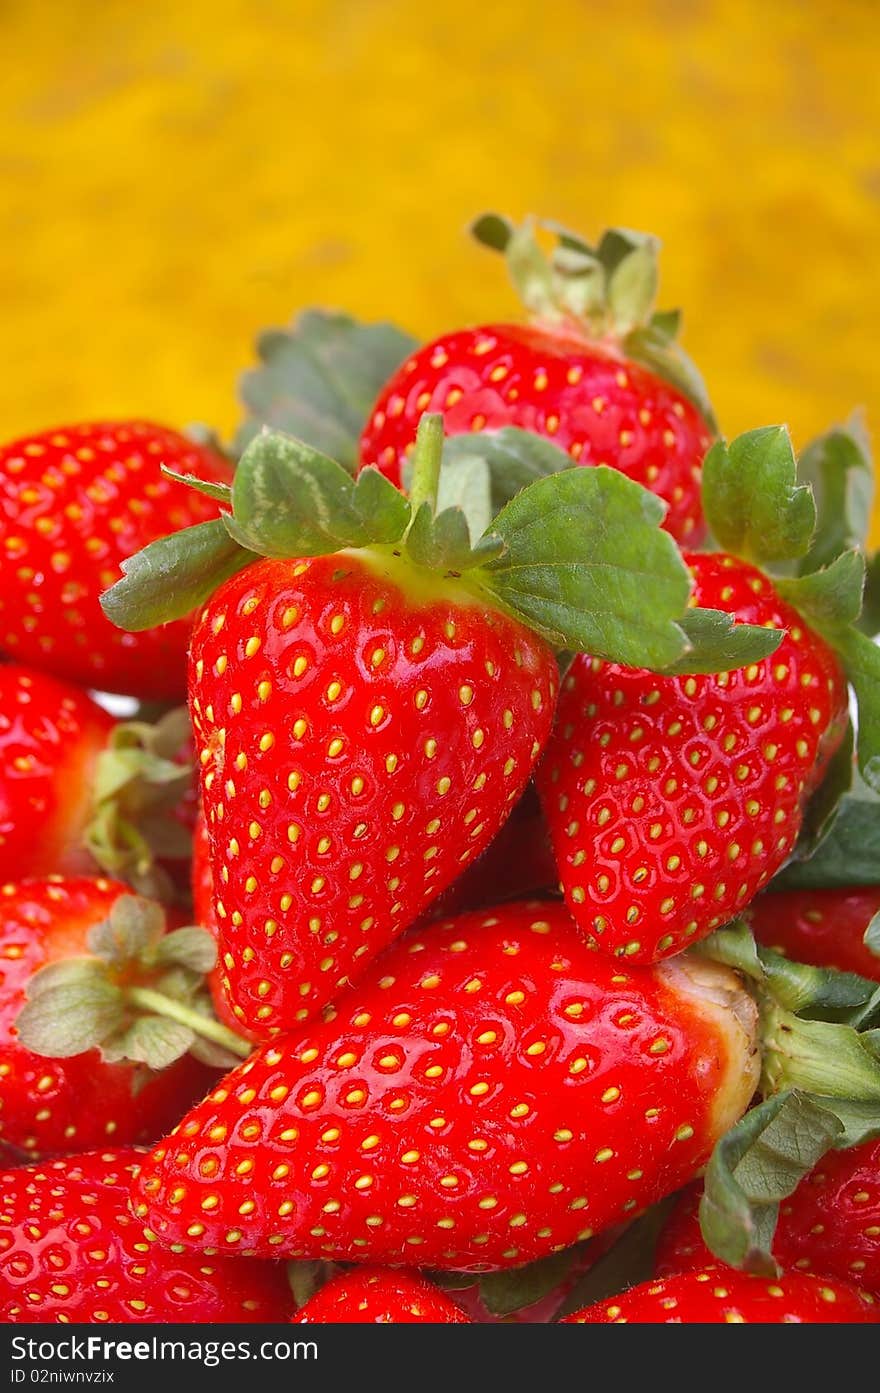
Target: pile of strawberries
<point>515,866</point>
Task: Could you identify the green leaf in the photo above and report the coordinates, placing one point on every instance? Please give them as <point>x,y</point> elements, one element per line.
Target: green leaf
<point>503,1293</point>
<point>756,1165</point>
<point>816,1056</point>
<point>586,564</point>
<point>151,1040</point>
<point>751,498</point>
<point>68,1018</point>
<point>173,576</point>
<point>850,852</point>
<point>290,500</point>
<point>861,659</point>
<point>830,598</point>
<point>190,947</point>
<point>627,1263</point>
<point>838,468</point>
<point>443,543</point>
<point>869,619</point>
<point>221,493</point>
<point>319,380</point>
<point>719,644</point>
<point>513,459</point>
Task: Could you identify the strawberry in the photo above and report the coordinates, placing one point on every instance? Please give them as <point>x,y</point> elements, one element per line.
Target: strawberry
<point>823,927</point>
<point>592,372</point>
<point>98,789</point>
<point>714,1297</point>
<point>672,800</point>
<point>490,1093</point>
<point>74,503</point>
<point>368,714</point>
<point>48,1106</point>
<point>830,1225</point>
<point>379,1296</point>
<point>70,1252</point>
<point>205,917</point>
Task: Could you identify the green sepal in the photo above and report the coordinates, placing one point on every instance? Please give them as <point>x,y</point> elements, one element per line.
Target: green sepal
<point>131,932</point>
<point>755,1166</point>
<point>816,1056</point>
<point>306,1277</point>
<point>442,542</point>
<point>718,644</point>
<point>74,1013</point>
<point>173,576</point>
<point>512,459</point>
<point>861,660</point>
<point>752,501</point>
<point>504,1293</point>
<point>838,467</point>
<point>221,493</point>
<point>586,564</point>
<point>629,1261</point>
<point>871,936</point>
<point>151,1040</point>
<point>869,619</point>
<point>289,500</point>
<point>849,853</point>
<point>830,598</point>
<point>190,948</point>
<point>319,380</point>
<point>822,808</point>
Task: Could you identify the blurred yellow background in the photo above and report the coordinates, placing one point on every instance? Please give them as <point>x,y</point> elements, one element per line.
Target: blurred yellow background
<point>177,176</point>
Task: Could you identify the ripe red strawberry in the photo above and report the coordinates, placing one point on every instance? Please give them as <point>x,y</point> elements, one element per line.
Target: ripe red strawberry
<point>91,785</point>
<point>205,917</point>
<point>592,379</point>
<point>70,1252</point>
<point>491,1092</point>
<point>379,1296</point>
<point>50,1106</point>
<point>830,1225</point>
<point>672,800</point>
<point>716,1297</point>
<point>822,927</point>
<point>370,697</point>
<point>74,503</point>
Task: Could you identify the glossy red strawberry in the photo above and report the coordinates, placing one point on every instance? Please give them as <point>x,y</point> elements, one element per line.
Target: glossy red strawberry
<point>830,1225</point>
<point>74,503</point>
<point>822,927</point>
<point>579,376</point>
<point>206,918</point>
<point>379,1296</point>
<point>491,1092</point>
<point>671,801</point>
<point>71,1253</point>
<point>94,787</point>
<point>50,1106</point>
<point>716,1297</point>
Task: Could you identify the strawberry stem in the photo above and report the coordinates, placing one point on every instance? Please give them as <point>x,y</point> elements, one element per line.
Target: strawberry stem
<point>199,1024</point>
<point>427,459</point>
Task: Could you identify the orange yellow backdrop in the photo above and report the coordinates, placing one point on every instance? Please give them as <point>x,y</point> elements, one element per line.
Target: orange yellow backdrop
<point>176,176</point>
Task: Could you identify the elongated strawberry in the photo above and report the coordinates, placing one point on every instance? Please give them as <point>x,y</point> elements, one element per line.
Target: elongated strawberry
<point>371,695</point>
<point>490,1093</point>
<point>716,1297</point>
<point>379,1296</point>
<point>824,927</point>
<point>830,1225</point>
<point>70,1252</point>
<point>74,503</point>
<point>55,1105</point>
<point>105,795</point>
<point>594,371</point>
<point>672,800</point>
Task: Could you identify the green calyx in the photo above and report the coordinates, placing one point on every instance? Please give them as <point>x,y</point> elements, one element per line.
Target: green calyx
<point>606,292</point>
<point>140,996</point>
<point>139,780</point>
<point>807,527</point>
<point>820,1083</point>
<point>577,554</point>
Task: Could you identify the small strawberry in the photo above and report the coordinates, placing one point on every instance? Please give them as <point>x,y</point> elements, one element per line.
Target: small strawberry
<point>830,1225</point>
<point>55,1105</point>
<point>74,503</point>
<point>823,927</point>
<point>725,1297</point>
<point>371,695</point>
<point>490,1093</point>
<point>594,371</point>
<point>672,800</point>
<point>105,794</point>
<point>379,1296</point>
<point>70,1252</point>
